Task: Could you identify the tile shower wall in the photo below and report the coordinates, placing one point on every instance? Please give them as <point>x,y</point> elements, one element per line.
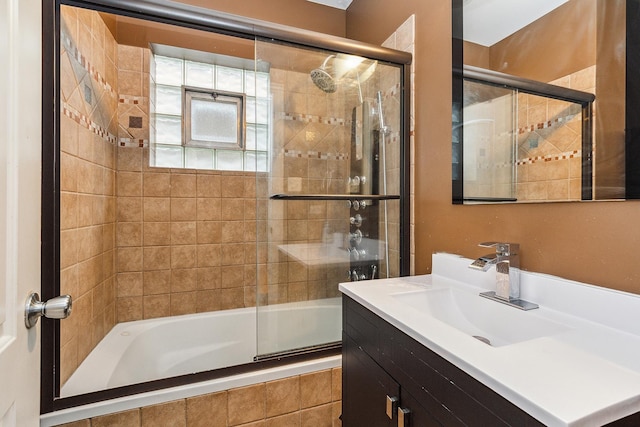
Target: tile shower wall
<point>187,239</point>
<point>402,39</point>
<point>312,137</point>
<point>550,142</point>
<point>310,400</point>
<point>88,132</point>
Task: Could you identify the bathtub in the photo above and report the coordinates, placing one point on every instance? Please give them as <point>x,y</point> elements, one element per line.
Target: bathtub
<point>145,350</point>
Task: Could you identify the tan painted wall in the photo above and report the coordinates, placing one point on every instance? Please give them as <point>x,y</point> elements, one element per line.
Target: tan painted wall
<point>565,37</point>
<point>594,242</point>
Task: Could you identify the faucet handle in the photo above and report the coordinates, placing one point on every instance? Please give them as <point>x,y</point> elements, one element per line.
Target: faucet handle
<point>504,249</point>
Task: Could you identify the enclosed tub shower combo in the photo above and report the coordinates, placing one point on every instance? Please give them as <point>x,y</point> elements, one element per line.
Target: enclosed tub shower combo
<point>209,182</point>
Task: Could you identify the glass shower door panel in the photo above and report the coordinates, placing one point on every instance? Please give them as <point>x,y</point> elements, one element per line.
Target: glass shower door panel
<point>330,168</point>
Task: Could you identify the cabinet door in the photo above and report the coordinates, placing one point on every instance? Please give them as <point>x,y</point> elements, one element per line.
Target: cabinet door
<point>418,415</point>
<point>365,387</point>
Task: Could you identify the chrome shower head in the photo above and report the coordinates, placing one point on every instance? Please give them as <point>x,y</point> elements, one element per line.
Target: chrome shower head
<point>323,79</point>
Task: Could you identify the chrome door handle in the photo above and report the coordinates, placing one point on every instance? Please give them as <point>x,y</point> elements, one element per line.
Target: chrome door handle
<point>55,308</point>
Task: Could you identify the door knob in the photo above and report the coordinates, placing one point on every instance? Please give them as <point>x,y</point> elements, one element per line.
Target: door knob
<point>55,308</point>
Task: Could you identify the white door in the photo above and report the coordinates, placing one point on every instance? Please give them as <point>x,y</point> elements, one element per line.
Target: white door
<point>20,165</point>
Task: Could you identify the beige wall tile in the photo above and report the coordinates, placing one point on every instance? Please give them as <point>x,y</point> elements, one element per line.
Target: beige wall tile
<point>129,184</point>
<point>184,256</point>
<point>208,277</point>
<point>183,209</point>
<point>336,384</point>
<point>157,282</point>
<point>128,309</point>
<point>129,234</point>
<point>208,300</point>
<point>283,396</point>
<point>208,255</point>
<point>184,279</point>
<point>157,233</point>
<point>231,298</point>
<point>247,404</point>
<point>129,259</point>
<point>183,185</point>
<point>157,184</point>
<point>183,233</point>
<point>208,231</point>
<point>172,414</point>
<point>209,410</point>
<point>129,284</point>
<point>315,388</point>
<point>157,306</point>
<point>129,209</point>
<point>319,416</point>
<point>231,186</point>
<point>157,258</point>
<point>208,186</point>
<point>157,209</point>
<point>183,303</point>
<point>289,420</point>
<point>208,209</point>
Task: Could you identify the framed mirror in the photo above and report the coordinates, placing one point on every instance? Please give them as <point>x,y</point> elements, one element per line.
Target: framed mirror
<point>544,101</point>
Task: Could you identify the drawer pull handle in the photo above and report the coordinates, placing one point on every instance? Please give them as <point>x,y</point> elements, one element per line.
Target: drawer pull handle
<point>392,405</point>
<point>403,417</point>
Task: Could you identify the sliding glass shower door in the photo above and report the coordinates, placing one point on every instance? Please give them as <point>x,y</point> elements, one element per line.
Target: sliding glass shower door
<point>329,204</point>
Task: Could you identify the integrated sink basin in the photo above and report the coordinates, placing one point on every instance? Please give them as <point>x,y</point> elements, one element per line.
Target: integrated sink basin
<point>572,362</point>
<point>490,322</point>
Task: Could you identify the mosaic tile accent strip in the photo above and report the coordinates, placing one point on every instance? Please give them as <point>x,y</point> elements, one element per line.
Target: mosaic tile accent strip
<point>131,142</point>
<point>135,100</point>
<point>85,122</point>
<point>309,118</point>
<point>314,155</point>
<point>547,124</point>
<point>550,158</point>
<point>75,53</point>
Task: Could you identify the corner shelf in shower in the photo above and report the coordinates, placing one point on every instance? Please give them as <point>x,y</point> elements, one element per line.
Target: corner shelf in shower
<point>334,196</point>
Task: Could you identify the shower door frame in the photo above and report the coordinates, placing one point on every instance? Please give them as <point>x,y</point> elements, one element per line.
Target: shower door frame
<point>199,19</point>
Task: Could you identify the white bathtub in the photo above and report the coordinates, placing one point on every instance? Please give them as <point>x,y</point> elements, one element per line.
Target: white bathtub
<point>146,350</point>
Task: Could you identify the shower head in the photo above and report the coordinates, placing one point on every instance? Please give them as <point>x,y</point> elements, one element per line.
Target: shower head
<point>323,79</point>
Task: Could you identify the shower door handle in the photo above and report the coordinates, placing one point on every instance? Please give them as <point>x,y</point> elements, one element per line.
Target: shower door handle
<point>55,308</point>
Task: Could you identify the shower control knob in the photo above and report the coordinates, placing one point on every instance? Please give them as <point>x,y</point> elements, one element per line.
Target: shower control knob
<point>363,204</point>
<point>356,237</point>
<point>355,205</point>
<point>355,180</point>
<point>356,220</point>
<point>55,308</point>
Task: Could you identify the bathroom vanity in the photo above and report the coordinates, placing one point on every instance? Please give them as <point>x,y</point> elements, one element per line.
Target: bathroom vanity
<point>428,350</point>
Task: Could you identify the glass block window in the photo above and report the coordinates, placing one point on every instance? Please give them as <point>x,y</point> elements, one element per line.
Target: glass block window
<point>209,116</point>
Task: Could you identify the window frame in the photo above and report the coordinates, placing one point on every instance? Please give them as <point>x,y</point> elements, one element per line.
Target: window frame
<point>239,99</point>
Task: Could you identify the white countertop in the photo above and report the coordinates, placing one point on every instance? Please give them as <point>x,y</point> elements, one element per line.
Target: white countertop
<point>586,374</point>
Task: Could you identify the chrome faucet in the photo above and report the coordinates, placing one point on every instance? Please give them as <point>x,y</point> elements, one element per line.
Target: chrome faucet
<point>507,262</point>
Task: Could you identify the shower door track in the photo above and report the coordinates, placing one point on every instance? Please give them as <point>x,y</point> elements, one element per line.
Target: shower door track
<point>333,197</point>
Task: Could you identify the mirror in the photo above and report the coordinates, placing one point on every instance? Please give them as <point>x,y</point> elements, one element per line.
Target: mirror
<point>524,128</point>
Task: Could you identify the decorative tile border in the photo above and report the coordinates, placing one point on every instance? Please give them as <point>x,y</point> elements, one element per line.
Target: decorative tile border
<point>130,99</point>
<point>131,142</point>
<point>314,155</point>
<point>75,53</point>
<point>309,118</point>
<point>86,123</point>
<point>550,158</point>
<point>546,124</point>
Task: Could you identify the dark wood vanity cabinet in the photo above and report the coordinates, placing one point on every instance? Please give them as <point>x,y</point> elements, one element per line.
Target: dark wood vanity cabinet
<point>380,363</point>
